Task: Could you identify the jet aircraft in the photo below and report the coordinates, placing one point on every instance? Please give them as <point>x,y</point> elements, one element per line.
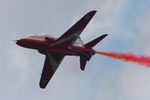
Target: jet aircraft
<point>55,49</point>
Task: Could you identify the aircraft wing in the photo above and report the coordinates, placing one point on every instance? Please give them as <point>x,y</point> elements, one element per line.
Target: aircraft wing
<point>52,61</point>
<point>70,36</point>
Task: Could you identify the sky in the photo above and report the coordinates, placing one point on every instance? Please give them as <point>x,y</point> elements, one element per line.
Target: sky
<point>127,23</point>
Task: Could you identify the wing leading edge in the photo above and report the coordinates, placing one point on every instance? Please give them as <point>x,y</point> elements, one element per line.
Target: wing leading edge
<point>52,61</point>
<point>70,36</point>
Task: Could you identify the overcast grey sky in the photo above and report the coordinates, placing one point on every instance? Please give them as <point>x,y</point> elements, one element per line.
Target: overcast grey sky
<point>127,23</point>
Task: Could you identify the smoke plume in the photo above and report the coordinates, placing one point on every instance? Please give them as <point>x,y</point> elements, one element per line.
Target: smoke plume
<point>139,59</point>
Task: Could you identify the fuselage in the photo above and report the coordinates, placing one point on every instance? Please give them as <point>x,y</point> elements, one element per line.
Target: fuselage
<point>43,43</point>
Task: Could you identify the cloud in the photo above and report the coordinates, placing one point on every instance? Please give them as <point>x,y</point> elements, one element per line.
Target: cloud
<point>134,82</point>
<point>143,23</point>
<point>23,67</point>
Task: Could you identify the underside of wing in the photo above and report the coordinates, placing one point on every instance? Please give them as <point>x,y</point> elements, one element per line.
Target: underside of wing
<point>52,61</point>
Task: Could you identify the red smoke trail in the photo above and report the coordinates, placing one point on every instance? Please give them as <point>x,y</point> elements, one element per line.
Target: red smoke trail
<point>143,60</point>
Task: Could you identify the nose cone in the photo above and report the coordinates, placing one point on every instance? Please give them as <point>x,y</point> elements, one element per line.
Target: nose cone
<point>18,42</point>
<point>24,43</point>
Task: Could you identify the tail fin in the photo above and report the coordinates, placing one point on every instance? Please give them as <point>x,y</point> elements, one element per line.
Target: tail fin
<point>83,59</point>
<point>82,63</point>
<point>95,41</point>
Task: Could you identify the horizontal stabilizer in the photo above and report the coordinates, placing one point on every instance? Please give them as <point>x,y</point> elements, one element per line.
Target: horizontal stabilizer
<point>95,41</point>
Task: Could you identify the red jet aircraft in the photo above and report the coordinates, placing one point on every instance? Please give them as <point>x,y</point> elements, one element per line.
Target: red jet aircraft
<point>55,49</point>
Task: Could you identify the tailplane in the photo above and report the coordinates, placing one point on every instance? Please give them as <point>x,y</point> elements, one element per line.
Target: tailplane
<point>95,41</point>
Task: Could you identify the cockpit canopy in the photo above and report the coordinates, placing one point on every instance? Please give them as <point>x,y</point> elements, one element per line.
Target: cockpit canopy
<point>78,42</point>
<point>40,37</point>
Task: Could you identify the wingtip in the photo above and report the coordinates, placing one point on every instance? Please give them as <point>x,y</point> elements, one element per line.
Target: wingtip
<point>42,86</point>
<point>93,11</point>
<point>105,34</point>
